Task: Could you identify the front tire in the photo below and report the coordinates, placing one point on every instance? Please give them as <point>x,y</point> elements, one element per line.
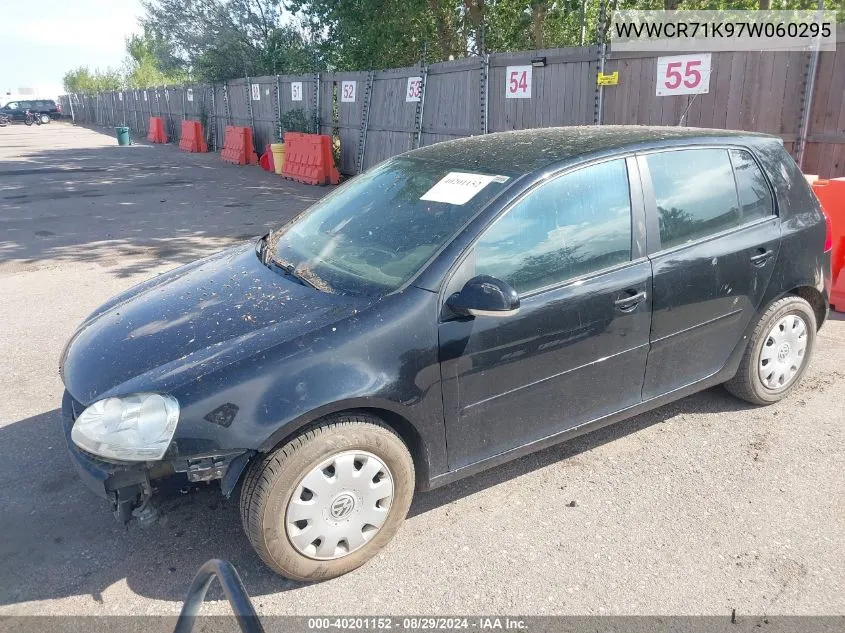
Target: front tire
<point>777,354</point>
<point>328,500</point>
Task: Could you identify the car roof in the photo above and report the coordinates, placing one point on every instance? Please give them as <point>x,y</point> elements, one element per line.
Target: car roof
<point>525,151</point>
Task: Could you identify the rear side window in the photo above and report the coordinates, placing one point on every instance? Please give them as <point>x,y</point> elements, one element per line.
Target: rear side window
<point>695,194</point>
<point>566,228</point>
<point>755,198</point>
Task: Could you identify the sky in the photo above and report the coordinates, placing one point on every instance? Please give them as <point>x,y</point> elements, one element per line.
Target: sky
<point>40,42</point>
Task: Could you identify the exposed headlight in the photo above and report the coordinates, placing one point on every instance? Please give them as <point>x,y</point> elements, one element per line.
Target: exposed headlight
<point>133,428</point>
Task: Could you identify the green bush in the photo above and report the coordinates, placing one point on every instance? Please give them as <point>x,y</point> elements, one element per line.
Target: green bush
<point>293,121</point>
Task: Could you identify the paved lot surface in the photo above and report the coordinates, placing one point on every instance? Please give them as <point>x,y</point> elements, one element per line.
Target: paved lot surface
<point>697,508</point>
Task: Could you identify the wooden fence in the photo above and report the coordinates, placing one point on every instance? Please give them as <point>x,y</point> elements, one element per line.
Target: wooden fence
<point>375,117</point>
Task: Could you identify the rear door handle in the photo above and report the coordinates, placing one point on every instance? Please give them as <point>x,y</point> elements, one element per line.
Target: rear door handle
<point>762,257</point>
<point>627,304</point>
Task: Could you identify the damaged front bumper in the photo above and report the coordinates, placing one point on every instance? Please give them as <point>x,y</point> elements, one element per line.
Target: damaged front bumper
<point>129,487</point>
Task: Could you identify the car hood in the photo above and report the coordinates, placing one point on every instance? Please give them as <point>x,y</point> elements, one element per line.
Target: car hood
<point>193,320</point>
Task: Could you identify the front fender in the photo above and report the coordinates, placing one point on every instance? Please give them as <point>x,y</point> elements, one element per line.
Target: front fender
<point>384,360</point>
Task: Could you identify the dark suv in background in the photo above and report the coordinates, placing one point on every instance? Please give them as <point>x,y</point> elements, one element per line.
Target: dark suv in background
<point>16,110</point>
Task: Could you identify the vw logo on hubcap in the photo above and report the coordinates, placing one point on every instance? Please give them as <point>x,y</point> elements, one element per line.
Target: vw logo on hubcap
<point>783,352</point>
<point>342,506</point>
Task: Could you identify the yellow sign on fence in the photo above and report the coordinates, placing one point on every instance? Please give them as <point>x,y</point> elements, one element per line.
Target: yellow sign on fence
<point>608,80</point>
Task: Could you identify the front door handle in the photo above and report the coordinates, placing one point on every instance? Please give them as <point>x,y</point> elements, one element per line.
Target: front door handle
<point>628,303</point>
<point>763,256</point>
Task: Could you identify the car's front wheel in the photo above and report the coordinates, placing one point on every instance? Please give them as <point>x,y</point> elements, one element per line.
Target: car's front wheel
<point>778,352</point>
<point>328,500</point>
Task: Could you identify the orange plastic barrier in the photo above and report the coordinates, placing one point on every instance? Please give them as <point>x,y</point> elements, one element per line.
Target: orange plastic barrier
<point>193,139</point>
<point>308,159</point>
<point>156,134</point>
<point>238,147</point>
<point>831,193</point>
<point>266,160</point>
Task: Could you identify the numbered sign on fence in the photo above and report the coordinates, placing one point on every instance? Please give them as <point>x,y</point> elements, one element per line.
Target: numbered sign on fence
<point>518,82</point>
<point>296,91</point>
<point>683,75</point>
<point>120,96</point>
<point>256,92</point>
<point>189,94</point>
<point>348,90</point>
<point>414,91</point>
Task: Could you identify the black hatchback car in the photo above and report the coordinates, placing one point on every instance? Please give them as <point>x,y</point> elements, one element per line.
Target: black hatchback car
<point>448,310</point>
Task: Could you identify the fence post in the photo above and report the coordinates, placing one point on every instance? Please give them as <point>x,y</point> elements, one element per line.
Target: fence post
<point>226,103</point>
<point>807,102</point>
<point>213,118</point>
<point>278,93</point>
<point>365,121</point>
<point>483,91</point>
<point>598,113</point>
<point>249,106</point>
<point>315,103</point>
<point>169,117</point>
<point>418,116</point>
<point>135,110</point>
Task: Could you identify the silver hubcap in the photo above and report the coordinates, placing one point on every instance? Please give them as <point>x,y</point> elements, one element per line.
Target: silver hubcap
<point>783,352</point>
<point>339,506</point>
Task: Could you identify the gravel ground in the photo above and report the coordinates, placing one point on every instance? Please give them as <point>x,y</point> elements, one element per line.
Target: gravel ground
<point>699,507</point>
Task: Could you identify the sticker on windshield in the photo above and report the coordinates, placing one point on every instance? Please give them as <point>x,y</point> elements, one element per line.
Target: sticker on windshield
<point>457,187</point>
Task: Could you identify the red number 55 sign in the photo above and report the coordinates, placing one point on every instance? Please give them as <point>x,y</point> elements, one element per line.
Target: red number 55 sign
<point>683,75</point>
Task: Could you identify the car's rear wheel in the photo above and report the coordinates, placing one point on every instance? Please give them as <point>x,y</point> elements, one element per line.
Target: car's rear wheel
<point>778,352</point>
<point>328,500</point>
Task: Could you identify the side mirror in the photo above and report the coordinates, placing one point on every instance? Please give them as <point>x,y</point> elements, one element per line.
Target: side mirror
<point>485,296</point>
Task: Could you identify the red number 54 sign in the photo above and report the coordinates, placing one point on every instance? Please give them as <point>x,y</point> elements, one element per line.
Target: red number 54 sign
<point>518,82</point>
<point>683,75</point>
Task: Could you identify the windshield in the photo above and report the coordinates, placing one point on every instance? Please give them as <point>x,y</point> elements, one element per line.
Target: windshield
<point>374,233</point>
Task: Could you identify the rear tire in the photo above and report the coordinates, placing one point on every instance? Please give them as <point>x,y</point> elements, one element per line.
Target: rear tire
<point>305,507</point>
<point>778,352</point>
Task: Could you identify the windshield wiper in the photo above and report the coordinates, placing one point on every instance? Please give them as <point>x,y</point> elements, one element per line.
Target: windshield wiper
<point>286,267</point>
<point>290,271</point>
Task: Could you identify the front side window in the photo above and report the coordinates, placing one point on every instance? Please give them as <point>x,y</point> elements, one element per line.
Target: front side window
<point>755,198</point>
<point>566,228</point>
<point>695,194</point>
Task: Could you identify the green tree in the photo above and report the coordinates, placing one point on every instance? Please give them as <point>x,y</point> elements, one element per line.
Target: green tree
<point>369,33</point>
<point>220,39</point>
<point>149,62</point>
<point>82,79</point>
